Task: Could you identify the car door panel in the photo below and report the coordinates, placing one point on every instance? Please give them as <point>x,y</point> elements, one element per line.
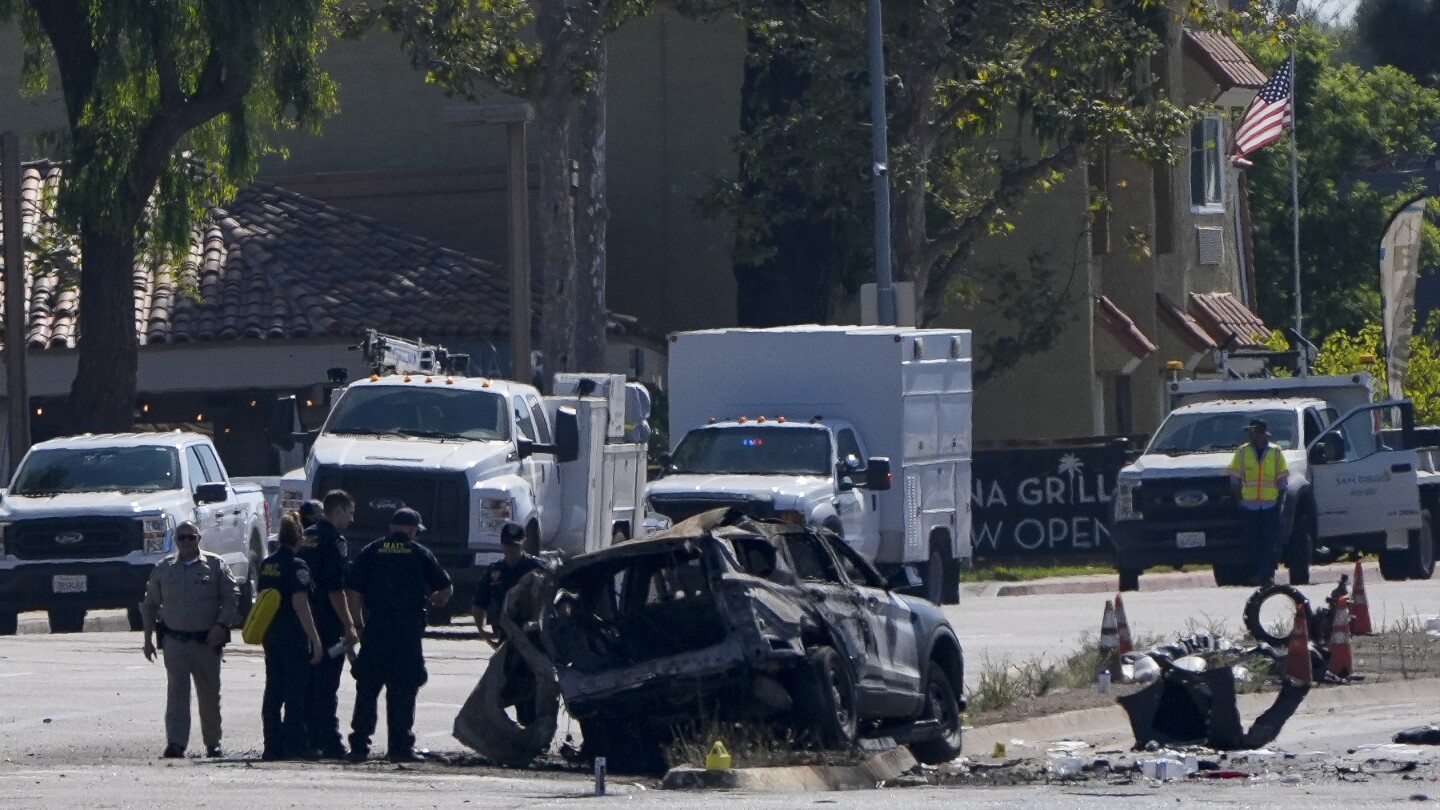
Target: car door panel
<point>1364,480</point>
<point>890,619</point>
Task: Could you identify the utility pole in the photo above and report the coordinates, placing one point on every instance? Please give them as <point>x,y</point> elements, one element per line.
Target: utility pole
<point>17,394</point>
<point>879,167</point>
<point>514,115</point>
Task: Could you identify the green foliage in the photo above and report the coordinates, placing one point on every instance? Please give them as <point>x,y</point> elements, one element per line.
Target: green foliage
<point>1363,350</point>
<point>1402,33</point>
<point>1348,120</point>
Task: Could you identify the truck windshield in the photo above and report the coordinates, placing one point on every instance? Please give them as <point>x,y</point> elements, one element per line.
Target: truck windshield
<point>1213,432</point>
<point>434,413</point>
<point>98,469</point>
<point>754,449</point>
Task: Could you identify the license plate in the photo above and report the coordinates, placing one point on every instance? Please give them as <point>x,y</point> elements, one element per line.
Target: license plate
<point>69,583</point>
<point>1190,540</point>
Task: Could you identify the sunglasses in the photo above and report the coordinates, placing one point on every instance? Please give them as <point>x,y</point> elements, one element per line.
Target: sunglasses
<point>187,537</point>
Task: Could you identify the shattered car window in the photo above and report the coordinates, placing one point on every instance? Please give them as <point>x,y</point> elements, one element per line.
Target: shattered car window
<point>809,558</point>
<point>755,555</point>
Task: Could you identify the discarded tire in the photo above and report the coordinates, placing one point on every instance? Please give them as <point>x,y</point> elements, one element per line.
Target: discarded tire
<point>484,725</point>
<point>1258,599</point>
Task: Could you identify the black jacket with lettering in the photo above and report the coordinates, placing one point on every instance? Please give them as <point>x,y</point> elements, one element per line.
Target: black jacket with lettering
<point>396,576</point>
<point>323,549</point>
<point>288,574</point>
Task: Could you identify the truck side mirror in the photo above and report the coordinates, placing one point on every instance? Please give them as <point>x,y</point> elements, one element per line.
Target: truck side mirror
<point>877,474</point>
<point>281,427</point>
<point>211,493</point>
<point>567,435</point>
<point>665,460</point>
<point>524,448</point>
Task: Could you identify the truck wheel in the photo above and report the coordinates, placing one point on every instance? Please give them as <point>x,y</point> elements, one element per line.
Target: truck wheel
<point>935,569</point>
<point>952,583</point>
<point>825,705</point>
<point>9,622</point>
<point>1227,575</point>
<point>1415,562</point>
<point>1130,579</point>
<point>944,706</point>
<point>1301,548</point>
<point>136,621</point>
<point>67,620</point>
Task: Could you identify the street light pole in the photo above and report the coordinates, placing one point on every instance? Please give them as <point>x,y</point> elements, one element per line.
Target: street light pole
<point>884,280</point>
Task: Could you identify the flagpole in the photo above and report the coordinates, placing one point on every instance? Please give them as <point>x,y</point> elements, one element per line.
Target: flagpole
<point>1295,194</point>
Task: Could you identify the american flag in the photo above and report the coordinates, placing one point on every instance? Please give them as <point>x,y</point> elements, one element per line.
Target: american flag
<point>1267,116</point>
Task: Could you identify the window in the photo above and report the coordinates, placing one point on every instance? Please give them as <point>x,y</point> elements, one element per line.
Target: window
<point>810,559</point>
<point>542,425</point>
<point>197,469</point>
<point>1312,426</point>
<point>855,567</point>
<point>850,449</point>
<point>212,465</point>
<point>523,423</point>
<point>1206,174</point>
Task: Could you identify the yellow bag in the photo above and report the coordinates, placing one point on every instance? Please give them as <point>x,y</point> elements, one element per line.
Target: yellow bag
<point>262,613</point>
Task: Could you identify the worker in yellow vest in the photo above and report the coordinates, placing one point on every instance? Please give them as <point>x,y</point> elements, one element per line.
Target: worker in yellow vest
<point>1258,474</point>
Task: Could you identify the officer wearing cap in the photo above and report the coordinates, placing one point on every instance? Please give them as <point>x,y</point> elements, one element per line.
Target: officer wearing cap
<point>389,585</point>
<point>499,578</point>
<point>1258,474</point>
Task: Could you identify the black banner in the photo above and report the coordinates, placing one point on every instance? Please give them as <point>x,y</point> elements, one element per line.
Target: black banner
<point>1044,501</point>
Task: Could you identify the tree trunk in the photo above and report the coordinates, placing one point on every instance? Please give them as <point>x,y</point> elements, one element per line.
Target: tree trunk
<point>102,397</point>
<point>555,221</point>
<point>592,216</point>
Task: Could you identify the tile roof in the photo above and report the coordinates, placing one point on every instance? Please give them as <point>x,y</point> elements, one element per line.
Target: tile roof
<point>1225,61</point>
<point>275,265</point>
<point>1123,328</point>
<point>1227,320</point>
<point>1183,324</point>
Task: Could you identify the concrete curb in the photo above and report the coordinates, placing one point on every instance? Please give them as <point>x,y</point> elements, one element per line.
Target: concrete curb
<point>1109,724</point>
<point>875,768</point>
<point>96,621</point>
<point>1166,581</point>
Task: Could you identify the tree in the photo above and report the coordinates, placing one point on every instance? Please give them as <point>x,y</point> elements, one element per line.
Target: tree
<point>987,102</point>
<point>1402,33</point>
<point>1347,119</point>
<point>1347,352</point>
<point>551,53</point>
<point>167,104</point>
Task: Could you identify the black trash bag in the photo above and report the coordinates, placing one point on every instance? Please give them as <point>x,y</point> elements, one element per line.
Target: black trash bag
<point>1187,708</point>
<point>1419,735</point>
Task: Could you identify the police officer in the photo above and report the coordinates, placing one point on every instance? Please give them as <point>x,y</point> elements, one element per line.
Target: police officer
<point>389,584</point>
<point>192,602</point>
<point>1258,474</point>
<point>499,578</point>
<point>323,550</point>
<point>292,649</point>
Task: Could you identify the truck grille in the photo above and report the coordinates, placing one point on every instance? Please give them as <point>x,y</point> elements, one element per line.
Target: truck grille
<point>1181,499</point>
<point>683,507</point>
<point>440,498</point>
<point>73,538</point>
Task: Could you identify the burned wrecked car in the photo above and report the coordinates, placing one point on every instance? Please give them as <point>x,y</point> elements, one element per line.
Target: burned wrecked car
<point>725,617</point>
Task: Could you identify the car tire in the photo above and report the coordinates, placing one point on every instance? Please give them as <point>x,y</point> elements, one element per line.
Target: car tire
<point>1252,613</point>
<point>935,569</point>
<point>9,622</point>
<point>1130,579</point>
<point>66,620</point>
<point>826,701</point>
<point>943,704</point>
<point>1300,550</point>
<point>135,620</point>
<point>1415,562</point>
<point>1229,575</point>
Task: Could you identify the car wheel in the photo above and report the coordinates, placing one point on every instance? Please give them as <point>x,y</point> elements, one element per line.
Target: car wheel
<point>251,586</point>
<point>826,703</point>
<point>944,706</point>
<point>9,622</point>
<point>1422,553</point>
<point>1130,579</point>
<point>1301,548</point>
<point>66,620</point>
<point>1227,575</point>
<point>133,617</point>
<point>935,569</point>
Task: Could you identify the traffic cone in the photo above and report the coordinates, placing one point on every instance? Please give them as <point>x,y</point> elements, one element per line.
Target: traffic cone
<point>1109,639</point>
<point>1297,656</point>
<point>1125,643</point>
<point>1341,661</point>
<point>1360,606</point>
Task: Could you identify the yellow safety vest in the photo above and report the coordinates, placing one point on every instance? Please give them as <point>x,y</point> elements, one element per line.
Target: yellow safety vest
<point>1259,481</point>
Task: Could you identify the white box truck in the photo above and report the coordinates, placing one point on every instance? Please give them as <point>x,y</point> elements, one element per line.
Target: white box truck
<point>812,424</point>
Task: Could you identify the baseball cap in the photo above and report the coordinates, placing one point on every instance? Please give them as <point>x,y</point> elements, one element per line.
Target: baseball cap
<point>512,534</point>
<point>405,516</point>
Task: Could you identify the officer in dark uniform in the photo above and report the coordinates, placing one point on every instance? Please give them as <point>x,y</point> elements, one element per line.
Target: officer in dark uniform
<point>292,647</point>
<point>323,549</point>
<point>390,583</point>
<point>499,578</point>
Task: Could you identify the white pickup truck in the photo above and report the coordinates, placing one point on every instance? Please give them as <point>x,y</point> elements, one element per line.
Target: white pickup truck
<point>471,454</point>
<point>1360,481</point>
<point>86,518</point>
<point>807,424</point>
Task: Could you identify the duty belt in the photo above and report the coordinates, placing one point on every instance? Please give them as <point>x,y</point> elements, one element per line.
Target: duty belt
<point>182,635</point>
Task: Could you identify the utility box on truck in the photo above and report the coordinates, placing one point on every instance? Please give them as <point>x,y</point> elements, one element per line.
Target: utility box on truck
<point>813,423</point>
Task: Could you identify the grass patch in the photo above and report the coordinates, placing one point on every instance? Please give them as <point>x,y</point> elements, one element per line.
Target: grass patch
<point>1024,572</point>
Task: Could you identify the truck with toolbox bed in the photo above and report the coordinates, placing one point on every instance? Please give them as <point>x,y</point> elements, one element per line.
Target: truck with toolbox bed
<point>86,518</point>
<point>1360,480</point>
<point>809,424</point>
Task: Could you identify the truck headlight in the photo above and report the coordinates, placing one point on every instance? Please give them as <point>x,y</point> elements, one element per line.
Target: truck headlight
<point>156,530</point>
<point>1125,500</point>
<point>4,530</point>
<point>290,500</point>
<point>495,513</point>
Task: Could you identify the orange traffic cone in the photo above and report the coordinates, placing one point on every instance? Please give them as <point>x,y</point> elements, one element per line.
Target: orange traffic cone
<point>1297,656</point>
<point>1341,661</point>
<point>1360,606</point>
<point>1122,626</point>
<point>1109,640</point>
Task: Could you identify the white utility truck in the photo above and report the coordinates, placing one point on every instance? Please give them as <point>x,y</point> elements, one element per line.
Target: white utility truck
<point>1359,480</point>
<point>471,454</point>
<point>87,517</point>
<point>808,423</point>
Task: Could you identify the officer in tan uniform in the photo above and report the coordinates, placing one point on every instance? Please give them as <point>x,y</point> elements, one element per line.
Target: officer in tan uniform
<point>191,603</point>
